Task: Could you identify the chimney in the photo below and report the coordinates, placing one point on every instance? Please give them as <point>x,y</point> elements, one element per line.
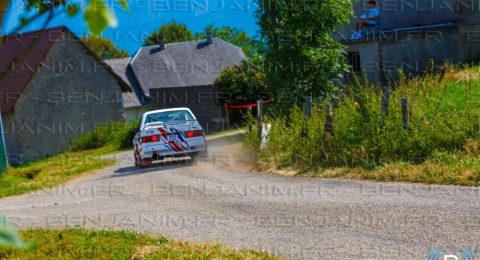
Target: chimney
<point>208,33</point>
<point>161,42</point>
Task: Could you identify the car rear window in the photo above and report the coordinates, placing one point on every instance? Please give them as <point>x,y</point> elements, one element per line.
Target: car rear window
<point>169,116</point>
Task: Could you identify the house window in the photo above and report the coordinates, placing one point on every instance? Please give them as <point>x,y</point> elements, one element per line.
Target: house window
<point>354,61</point>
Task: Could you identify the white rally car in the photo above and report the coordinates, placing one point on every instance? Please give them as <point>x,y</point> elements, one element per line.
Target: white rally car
<point>166,133</point>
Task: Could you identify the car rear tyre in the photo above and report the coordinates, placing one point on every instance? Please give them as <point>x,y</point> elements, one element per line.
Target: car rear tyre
<point>144,163</point>
<point>135,158</point>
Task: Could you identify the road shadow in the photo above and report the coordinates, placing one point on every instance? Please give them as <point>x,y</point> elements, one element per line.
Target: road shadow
<point>157,166</point>
<point>223,152</point>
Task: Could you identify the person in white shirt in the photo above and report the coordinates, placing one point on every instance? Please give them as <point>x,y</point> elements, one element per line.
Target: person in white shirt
<point>369,20</point>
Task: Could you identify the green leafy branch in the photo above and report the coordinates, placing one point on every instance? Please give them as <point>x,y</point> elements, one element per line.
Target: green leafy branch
<point>9,237</point>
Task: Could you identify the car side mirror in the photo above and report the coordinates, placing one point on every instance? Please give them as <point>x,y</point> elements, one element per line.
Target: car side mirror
<point>136,130</point>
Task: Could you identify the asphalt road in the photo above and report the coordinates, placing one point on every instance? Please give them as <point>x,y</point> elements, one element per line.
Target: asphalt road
<point>219,200</point>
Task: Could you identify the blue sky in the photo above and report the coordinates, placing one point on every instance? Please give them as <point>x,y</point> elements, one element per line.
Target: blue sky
<point>147,15</point>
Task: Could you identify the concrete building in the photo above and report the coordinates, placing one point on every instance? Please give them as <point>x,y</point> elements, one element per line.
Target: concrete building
<point>179,75</point>
<point>54,89</point>
<point>411,34</point>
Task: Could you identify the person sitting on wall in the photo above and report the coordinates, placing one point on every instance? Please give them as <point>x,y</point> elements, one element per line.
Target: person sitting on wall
<point>367,20</point>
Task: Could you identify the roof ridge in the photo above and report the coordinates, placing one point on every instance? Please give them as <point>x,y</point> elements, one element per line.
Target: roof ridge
<point>188,63</point>
<point>63,27</point>
<point>122,58</point>
<point>184,42</point>
<point>36,56</point>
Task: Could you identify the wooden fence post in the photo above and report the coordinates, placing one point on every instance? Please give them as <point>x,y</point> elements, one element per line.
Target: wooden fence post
<point>259,119</point>
<point>328,128</point>
<point>384,106</point>
<point>405,112</point>
<point>249,114</point>
<point>307,112</point>
<point>3,149</point>
<point>228,117</point>
<point>307,107</point>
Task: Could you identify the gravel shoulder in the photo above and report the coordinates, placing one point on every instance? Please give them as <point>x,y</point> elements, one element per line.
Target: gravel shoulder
<point>218,199</point>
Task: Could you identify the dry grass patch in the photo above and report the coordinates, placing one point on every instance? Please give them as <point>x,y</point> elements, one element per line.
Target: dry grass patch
<point>463,75</point>
<point>186,250</point>
<point>143,251</point>
<point>89,244</point>
<point>455,169</point>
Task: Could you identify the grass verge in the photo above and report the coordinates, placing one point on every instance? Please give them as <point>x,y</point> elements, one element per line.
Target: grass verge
<point>88,244</point>
<point>437,143</point>
<point>52,171</point>
<point>442,168</point>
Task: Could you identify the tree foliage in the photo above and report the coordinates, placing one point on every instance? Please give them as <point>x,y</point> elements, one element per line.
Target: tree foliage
<point>244,83</point>
<point>97,14</point>
<point>104,47</point>
<point>235,36</point>
<point>9,237</point>
<point>177,32</point>
<point>300,50</point>
<point>171,32</point>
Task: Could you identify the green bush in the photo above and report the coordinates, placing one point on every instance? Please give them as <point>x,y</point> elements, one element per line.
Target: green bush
<point>444,117</point>
<point>244,83</point>
<point>126,134</point>
<point>120,135</point>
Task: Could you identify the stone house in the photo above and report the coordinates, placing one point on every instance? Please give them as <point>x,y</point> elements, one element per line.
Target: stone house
<point>55,89</point>
<point>135,103</point>
<point>411,34</point>
<point>179,75</point>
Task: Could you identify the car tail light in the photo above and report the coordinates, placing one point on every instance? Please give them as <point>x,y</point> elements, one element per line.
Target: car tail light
<point>150,139</point>
<point>190,134</point>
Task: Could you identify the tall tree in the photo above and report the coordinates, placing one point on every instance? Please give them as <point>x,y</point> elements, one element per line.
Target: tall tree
<point>301,54</point>
<point>171,32</point>
<point>104,47</point>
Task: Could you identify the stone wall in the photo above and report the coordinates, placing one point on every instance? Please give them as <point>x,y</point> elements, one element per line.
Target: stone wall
<point>470,42</point>
<point>13,151</point>
<point>412,51</point>
<point>369,56</point>
<point>70,95</point>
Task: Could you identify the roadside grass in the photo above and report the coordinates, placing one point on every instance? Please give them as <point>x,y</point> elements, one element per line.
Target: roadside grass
<point>89,244</point>
<point>83,156</point>
<point>443,168</point>
<point>119,136</point>
<point>51,171</point>
<point>441,144</point>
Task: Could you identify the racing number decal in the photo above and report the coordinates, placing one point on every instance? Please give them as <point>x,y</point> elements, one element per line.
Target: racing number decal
<point>172,139</point>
